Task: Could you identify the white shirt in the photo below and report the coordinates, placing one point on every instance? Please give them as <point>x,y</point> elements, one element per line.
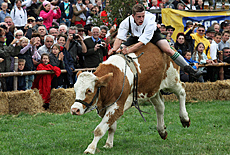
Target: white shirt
<point>213,50</point>
<point>144,32</point>
<point>193,7</point>
<point>19,17</point>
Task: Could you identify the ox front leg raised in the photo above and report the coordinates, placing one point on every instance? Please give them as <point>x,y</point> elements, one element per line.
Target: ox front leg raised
<point>159,106</point>
<point>109,141</point>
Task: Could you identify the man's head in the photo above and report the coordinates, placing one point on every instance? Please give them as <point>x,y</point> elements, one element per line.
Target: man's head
<point>8,20</point>
<point>189,24</point>
<point>80,30</point>
<point>201,30</point>
<point>200,2</point>
<point>226,51</point>
<point>39,21</point>
<point>18,3</point>
<point>72,30</point>
<point>53,32</point>
<point>162,28</point>
<point>4,6</point>
<point>226,26</point>
<point>210,32</point>
<point>180,6</point>
<point>217,37</point>
<point>62,29</point>
<point>48,41</point>
<point>225,36</point>
<point>103,32</point>
<point>95,32</point>
<point>138,13</point>
<point>87,29</point>
<point>42,30</point>
<point>154,3</point>
<point>170,29</point>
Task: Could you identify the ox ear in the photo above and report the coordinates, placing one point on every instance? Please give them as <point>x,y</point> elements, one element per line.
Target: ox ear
<point>104,80</point>
<point>78,73</point>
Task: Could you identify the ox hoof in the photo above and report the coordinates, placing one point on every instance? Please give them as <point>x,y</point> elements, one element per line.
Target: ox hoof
<point>107,145</point>
<point>185,123</point>
<point>163,135</point>
<point>88,152</point>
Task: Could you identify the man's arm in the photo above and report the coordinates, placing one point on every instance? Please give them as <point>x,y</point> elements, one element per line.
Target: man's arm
<point>133,49</point>
<point>116,46</point>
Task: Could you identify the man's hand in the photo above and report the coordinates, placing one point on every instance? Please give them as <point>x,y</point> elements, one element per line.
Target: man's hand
<point>1,60</point>
<point>97,46</point>
<point>125,51</point>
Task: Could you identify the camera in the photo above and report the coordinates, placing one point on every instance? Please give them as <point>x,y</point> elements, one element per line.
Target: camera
<point>101,45</point>
<point>3,26</point>
<point>80,4</point>
<point>75,37</point>
<point>55,7</point>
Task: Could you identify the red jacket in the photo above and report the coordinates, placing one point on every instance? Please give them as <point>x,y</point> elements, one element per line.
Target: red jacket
<point>43,81</point>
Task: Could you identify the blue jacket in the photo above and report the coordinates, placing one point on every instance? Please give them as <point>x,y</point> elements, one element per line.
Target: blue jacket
<point>191,61</point>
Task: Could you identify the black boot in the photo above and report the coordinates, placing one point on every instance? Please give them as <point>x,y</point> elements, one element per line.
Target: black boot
<point>194,73</point>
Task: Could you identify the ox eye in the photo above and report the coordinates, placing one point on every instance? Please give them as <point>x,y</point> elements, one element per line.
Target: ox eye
<point>89,91</point>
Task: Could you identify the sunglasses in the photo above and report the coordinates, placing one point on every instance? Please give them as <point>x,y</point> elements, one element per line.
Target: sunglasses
<point>30,20</point>
<point>201,30</point>
<point>19,35</point>
<point>94,11</point>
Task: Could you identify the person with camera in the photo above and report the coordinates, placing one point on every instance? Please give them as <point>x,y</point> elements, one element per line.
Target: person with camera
<point>76,47</point>
<point>8,34</point>
<point>47,13</point>
<point>96,49</point>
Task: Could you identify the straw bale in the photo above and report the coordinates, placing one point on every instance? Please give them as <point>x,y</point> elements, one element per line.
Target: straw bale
<point>61,100</point>
<point>29,101</point>
<point>224,94</point>
<point>4,103</point>
<point>224,84</point>
<point>198,86</point>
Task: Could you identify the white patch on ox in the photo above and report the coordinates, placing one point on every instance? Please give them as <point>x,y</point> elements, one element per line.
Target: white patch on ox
<point>170,80</point>
<point>119,62</point>
<point>86,80</point>
<point>133,55</point>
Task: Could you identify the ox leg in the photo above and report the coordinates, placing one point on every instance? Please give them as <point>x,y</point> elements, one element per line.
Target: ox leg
<point>101,129</point>
<point>181,95</point>
<point>109,141</point>
<point>159,106</point>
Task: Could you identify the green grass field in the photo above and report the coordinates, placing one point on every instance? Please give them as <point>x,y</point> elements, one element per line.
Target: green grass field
<point>53,134</point>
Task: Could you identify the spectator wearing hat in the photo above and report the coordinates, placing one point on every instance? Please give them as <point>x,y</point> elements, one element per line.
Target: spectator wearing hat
<point>4,12</point>
<point>181,45</point>
<point>66,12</point>
<point>162,27</point>
<point>189,24</point>
<point>198,37</point>
<point>210,32</point>
<point>28,28</point>
<point>39,22</point>
<point>19,15</point>
<point>170,29</point>
<point>80,30</point>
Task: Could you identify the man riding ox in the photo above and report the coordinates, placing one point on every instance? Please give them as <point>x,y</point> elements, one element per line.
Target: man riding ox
<point>110,88</point>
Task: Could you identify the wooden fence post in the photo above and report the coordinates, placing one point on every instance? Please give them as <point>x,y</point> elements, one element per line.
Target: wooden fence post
<point>15,70</point>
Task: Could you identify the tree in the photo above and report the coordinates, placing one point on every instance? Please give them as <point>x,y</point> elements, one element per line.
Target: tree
<point>116,11</point>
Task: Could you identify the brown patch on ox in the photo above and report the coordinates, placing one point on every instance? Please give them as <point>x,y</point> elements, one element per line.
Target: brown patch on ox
<point>98,133</point>
<point>111,92</point>
<point>78,73</point>
<point>153,65</point>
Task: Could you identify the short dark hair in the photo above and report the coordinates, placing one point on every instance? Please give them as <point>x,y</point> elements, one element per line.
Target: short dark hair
<point>201,26</point>
<point>217,34</point>
<point>225,48</point>
<point>185,52</point>
<point>62,35</point>
<point>226,31</point>
<point>137,8</point>
<point>44,54</point>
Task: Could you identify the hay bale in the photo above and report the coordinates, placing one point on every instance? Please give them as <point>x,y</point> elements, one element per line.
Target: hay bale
<point>198,86</point>
<point>4,103</point>
<point>61,100</point>
<point>29,101</point>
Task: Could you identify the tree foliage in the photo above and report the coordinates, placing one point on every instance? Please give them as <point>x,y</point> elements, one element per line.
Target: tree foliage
<point>117,10</point>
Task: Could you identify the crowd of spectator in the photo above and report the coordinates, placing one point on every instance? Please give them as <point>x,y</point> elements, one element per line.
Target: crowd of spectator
<point>63,34</point>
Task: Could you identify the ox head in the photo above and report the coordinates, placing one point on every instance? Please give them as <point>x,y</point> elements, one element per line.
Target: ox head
<point>87,89</point>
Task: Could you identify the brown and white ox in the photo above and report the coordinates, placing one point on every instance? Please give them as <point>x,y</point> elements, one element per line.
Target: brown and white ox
<point>156,71</point>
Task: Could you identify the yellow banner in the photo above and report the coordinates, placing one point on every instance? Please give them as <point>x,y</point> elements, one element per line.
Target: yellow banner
<point>178,19</point>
